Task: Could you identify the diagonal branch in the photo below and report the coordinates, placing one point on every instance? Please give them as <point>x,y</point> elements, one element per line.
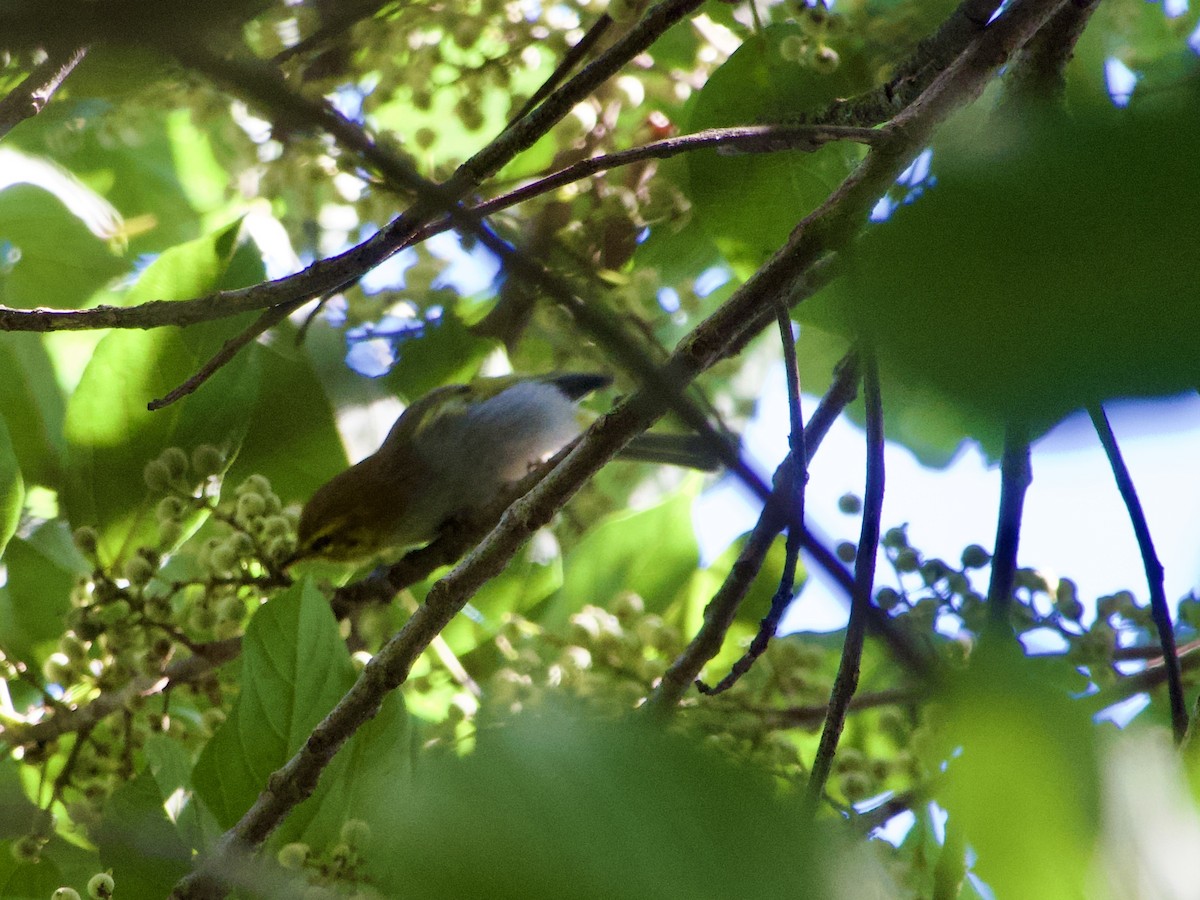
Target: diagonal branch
<point>789,490</point>
<point>29,97</point>
<point>1154,570</point>
<point>846,681</point>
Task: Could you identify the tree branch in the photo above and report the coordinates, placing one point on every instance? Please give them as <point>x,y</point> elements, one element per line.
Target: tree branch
<point>570,60</point>
<point>846,681</point>
<point>1154,570</point>
<point>721,610</point>
<point>30,97</point>
<point>788,492</point>
<point>1015,477</point>
<point>182,671</point>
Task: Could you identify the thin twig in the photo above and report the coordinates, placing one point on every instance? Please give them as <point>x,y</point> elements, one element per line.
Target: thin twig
<point>846,681</point>
<point>269,319</point>
<point>570,60</point>
<point>180,671</point>
<point>721,610</point>
<point>789,494</point>
<point>1015,477</point>
<point>30,97</point>
<point>332,27</point>
<point>1159,610</point>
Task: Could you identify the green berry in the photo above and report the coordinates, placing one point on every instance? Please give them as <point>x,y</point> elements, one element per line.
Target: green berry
<point>212,719</point>
<point>207,460</point>
<point>100,886</point>
<point>57,669</point>
<point>157,476</point>
<point>222,559</point>
<point>356,833</point>
<point>87,540</point>
<point>250,506</point>
<point>792,48</point>
<point>114,612</point>
<point>856,786</point>
<point>826,60</point>
<point>175,460</point>
<point>169,509</point>
<point>887,598</point>
<point>907,561</point>
<point>201,618</point>
<point>847,552</point>
<point>293,856</point>
<point>850,504</point>
<point>255,484</point>
<point>975,557</point>
<point>169,532</point>
<point>65,893</point>
<point>138,570</point>
<point>26,849</point>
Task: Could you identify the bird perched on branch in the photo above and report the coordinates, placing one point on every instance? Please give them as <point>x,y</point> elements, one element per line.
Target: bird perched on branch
<point>451,453</point>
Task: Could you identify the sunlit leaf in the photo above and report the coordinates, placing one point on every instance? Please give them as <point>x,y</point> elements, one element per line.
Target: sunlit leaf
<point>110,433</point>
<point>294,668</point>
<point>750,203</point>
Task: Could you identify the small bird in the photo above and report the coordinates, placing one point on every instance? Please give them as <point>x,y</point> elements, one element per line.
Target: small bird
<point>451,453</point>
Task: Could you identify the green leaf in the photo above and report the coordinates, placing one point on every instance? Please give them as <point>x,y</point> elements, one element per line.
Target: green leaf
<point>41,572</point>
<point>295,667</point>
<point>30,394</point>
<point>110,433</point>
<point>448,351</point>
<point>369,779</point>
<point>59,262</point>
<point>27,881</point>
<point>1021,780</point>
<point>612,558</point>
<point>292,437</point>
<point>12,488</point>
<point>139,842</point>
<point>1033,279</point>
<point>553,805</point>
<point>750,203</point>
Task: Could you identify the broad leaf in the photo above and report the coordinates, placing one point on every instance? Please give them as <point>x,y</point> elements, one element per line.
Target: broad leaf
<point>749,204</point>
<point>110,433</point>
<point>12,488</point>
<point>294,669</point>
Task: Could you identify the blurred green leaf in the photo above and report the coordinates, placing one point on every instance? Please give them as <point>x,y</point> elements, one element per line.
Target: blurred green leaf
<point>26,881</point>
<point>138,840</point>
<point>292,436</point>
<point>1053,269</point>
<point>110,433</point>
<point>294,668</point>
<point>12,488</point>
<point>30,394</point>
<point>51,258</point>
<point>560,806</point>
<point>1022,778</point>
<point>613,558</point>
<point>750,203</point>
<point>41,573</point>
